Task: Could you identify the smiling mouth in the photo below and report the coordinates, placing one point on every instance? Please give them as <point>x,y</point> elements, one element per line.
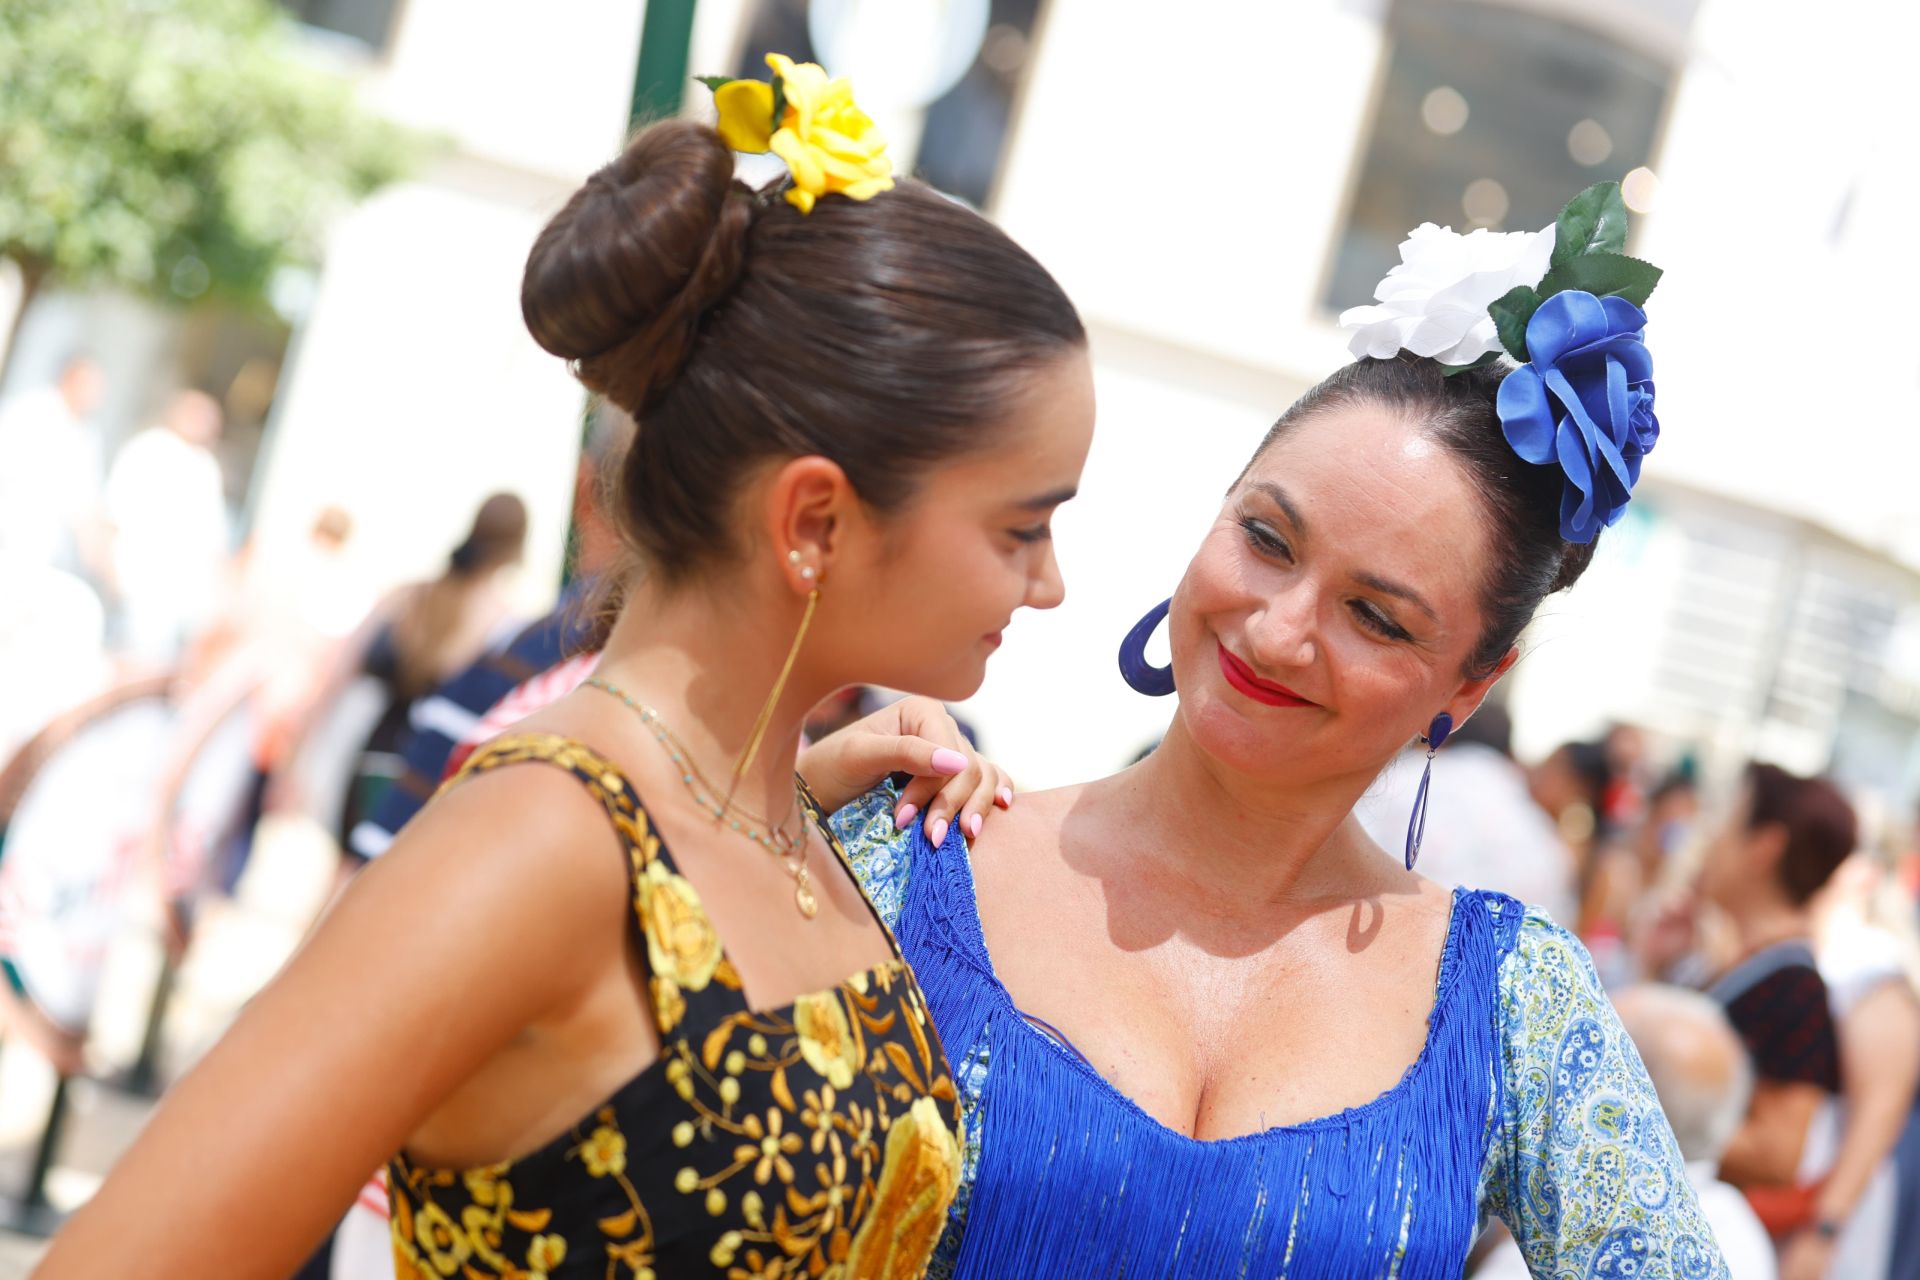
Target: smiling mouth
<point>1241,677</point>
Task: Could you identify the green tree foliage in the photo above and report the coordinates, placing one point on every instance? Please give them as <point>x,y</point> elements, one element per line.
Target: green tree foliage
<point>179,148</point>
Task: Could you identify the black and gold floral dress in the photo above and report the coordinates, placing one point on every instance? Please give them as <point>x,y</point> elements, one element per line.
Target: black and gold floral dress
<point>820,1139</point>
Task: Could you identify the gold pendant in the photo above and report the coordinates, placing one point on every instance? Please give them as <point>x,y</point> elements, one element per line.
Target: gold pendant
<point>803,896</point>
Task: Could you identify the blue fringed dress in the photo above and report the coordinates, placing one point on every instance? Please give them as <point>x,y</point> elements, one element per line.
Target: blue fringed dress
<point>1527,1102</point>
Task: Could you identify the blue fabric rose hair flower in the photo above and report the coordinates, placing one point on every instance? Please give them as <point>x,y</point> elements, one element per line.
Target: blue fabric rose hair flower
<point>1585,404</point>
<point>1582,398</point>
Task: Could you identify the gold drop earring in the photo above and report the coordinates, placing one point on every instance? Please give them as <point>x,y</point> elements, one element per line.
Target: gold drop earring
<point>745,762</point>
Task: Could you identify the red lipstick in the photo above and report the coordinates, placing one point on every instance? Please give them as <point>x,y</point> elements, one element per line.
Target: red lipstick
<point>1241,677</point>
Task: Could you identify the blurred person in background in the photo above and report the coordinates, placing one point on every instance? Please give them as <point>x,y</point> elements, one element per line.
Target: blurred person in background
<point>1701,1073</point>
<point>439,721</point>
<point>1667,824</point>
<point>557,1010</point>
<point>50,471</point>
<point>1578,788</point>
<point>167,520</point>
<point>1782,841</point>
<point>274,643</point>
<point>1865,943</point>
<point>1494,836</point>
<point>1628,777</point>
<point>415,638</point>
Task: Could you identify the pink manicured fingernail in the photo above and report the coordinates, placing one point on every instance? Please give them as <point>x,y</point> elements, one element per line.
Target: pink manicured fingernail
<point>948,762</point>
<point>904,814</point>
<point>973,825</point>
<point>1006,797</point>
<point>937,835</point>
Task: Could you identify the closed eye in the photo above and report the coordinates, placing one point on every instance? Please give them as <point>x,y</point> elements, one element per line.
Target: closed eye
<point>1037,533</point>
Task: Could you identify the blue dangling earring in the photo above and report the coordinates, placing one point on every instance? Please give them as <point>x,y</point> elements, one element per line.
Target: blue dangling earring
<point>1417,826</point>
<point>1155,682</point>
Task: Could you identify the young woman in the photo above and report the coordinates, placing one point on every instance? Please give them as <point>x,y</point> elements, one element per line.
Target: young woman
<point>1200,1024</point>
<point>597,996</point>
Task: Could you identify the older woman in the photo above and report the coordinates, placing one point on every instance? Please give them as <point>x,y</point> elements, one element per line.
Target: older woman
<point>1201,1024</point>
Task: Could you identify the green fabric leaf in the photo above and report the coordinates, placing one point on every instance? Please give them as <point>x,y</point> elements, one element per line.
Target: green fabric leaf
<point>713,83</point>
<point>1510,313</point>
<point>1604,275</point>
<point>779,102</point>
<point>1595,221</point>
<point>1450,369</point>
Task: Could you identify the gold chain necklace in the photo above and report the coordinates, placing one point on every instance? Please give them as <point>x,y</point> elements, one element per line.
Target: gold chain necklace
<point>790,849</point>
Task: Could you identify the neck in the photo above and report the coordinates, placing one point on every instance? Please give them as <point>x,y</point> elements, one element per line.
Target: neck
<point>1267,843</point>
<point>706,667</point>
<point>1762,922</point>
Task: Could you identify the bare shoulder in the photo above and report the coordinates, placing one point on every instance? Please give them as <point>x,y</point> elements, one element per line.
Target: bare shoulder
<point>1031,828</point>
<point>527,833</point>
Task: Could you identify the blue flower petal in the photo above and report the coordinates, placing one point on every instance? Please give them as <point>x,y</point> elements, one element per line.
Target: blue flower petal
<point>1633,356</point>
<point>1565,322</point>
<point>1619,410</point>
<point>1623,316</point>
<point>1576,500</point>
<point>1526,415</point>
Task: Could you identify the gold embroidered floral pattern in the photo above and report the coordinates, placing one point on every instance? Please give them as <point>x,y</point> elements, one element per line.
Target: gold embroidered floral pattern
<point>818,1140</point>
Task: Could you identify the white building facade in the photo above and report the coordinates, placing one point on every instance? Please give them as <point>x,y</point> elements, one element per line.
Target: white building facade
<point>1212,182</point>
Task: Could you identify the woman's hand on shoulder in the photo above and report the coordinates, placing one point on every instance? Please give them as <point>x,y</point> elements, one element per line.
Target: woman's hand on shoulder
<point>951,781</point>
<point>499,906</point>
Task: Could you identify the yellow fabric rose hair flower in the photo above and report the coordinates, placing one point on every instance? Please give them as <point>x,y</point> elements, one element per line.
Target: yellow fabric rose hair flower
<point>809,121</point>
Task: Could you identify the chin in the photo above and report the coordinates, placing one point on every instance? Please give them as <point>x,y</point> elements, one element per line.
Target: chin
<point>955,683</point>
<point>1233,739</point>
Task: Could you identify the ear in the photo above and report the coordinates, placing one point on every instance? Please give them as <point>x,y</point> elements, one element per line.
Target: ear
<point>1766,844</point>
<point>1467,698</point>
<point>808,512</point>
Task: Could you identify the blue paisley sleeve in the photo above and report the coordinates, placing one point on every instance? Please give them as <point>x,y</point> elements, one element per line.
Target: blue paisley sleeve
<point>1583,1167</point>
<point>876,849</point>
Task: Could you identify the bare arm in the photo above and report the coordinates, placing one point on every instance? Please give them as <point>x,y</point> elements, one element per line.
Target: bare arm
<point>1766,1151</point>
<point>418,976</point>
<point>1880,1066</point>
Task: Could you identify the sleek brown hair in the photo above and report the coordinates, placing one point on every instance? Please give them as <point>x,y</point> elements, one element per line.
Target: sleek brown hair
<point>886,334</point>
<point>1819,825</point>
<point>1519,501</point>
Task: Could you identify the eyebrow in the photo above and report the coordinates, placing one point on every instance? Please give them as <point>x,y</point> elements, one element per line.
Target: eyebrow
<point>1388,587</point>
<point>1278,497</point>
<point>1372,581</point>
<point>1050,499</point>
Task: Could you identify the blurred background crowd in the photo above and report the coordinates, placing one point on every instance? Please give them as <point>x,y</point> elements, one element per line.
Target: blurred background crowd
<point>289,502</point>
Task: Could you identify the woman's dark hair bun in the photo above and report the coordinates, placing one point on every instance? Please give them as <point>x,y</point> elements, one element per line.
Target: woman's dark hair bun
<point>889,335</point>
<point>1573,563</point>
<point>620,278</point>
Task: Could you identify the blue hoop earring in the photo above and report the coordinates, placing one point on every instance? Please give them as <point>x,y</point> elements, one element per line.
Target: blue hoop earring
<point>1155,682</point>
<point>1417,825</point>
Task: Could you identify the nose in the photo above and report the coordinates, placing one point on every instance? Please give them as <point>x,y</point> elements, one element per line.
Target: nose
<point>1046,588</point>
<point>1282,633</point>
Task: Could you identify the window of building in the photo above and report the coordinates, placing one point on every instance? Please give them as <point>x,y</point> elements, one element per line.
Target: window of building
<point>367,22</point>
<point>1493,116</point>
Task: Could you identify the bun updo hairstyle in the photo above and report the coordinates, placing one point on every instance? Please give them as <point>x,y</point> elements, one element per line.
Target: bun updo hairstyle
<point>1520,501</point>
<point>885,334</point>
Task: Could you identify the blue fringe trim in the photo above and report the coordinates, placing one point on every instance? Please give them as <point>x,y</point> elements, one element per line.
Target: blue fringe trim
<point>1075,1180</point>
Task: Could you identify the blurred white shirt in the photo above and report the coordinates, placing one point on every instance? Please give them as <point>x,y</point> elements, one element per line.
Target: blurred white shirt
<point>49,479</point>
<point>1483,830</point>
<point>168,509</point>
